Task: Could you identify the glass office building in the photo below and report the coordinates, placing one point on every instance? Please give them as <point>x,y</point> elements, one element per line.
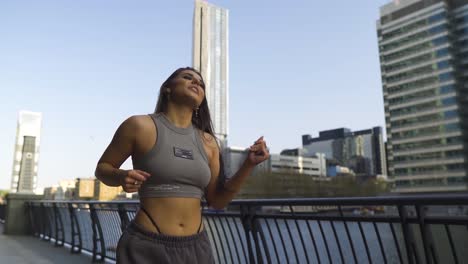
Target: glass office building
<point>211,58</point>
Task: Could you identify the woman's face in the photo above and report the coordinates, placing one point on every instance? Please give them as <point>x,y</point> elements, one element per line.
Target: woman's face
<point>188,87</point>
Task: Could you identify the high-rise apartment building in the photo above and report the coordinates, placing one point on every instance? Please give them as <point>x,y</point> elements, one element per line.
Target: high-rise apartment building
<point>211,58</point>
<point>423,46</point>
<point>26,155</point>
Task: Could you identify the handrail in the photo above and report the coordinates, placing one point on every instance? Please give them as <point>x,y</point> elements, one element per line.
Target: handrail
<point>391,229</point>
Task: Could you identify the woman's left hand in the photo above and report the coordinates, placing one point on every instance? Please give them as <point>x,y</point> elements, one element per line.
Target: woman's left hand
<point>258,152</point>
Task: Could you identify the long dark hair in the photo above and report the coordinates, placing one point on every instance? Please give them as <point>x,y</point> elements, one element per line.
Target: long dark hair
<point>202,122</point>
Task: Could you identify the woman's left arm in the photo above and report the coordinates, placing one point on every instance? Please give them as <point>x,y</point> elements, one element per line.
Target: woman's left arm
<point>219,198</point>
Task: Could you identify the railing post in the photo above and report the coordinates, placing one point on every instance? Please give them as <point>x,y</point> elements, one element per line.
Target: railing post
<point>255,231</point>
<point>246,218</point>
<point>75,230</point>
<point>426,236</point>
<point>97,235</point>
<point>46,227</point>
<point>124,219</point>
<point>411,250</point>
<point>59,239</point>
<point>29,207</point>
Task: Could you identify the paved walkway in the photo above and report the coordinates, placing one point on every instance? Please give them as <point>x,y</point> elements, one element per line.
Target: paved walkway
<point>32,250</point>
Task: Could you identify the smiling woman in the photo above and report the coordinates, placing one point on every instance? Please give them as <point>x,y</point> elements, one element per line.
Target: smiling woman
<point>176,162</point>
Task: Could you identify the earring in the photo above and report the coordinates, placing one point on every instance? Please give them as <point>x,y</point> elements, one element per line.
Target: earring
<point>168,94</point>
<point>196,112</point>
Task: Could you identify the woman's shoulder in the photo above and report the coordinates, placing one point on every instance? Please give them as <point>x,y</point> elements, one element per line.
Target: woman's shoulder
<point>138,122</point>
<point>208,140</point>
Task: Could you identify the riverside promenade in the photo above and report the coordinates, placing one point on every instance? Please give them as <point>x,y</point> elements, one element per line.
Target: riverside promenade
<point>31,250</point>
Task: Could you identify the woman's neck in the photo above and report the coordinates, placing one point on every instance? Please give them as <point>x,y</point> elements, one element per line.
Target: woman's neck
<point>180,116</point>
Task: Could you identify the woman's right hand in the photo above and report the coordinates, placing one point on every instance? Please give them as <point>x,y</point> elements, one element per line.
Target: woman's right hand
<point>131,180</point>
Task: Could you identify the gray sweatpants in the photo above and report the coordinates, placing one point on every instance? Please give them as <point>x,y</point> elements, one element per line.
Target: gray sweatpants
<point>138,246</point>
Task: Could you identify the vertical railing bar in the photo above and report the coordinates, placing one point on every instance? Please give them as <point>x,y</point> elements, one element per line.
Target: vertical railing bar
<point>58,227</point>
<point>72,223</point>
<point>452,246</point>
<point>50,221</point>
<point>124,219</point>
<point>272,240</point>
<point>291,239</point>
<point>300,235</point>
<point>337,241</point>
<point>400,257</point>
<point>115,216</point>
<point>282,240</point>
<point>254,231</point>
<point>233,239</point>
<point>324,241</point>
<point>48,228</point>
<point>220,240</point>
<point>247,224</point>
<point>426,237</point>
<point>63,215</point>
<point>116,222</point>
<point>379,239</point>
<point>31,218</point>
<point>78,231</point>
<point>240,239</point>
<point>228,244</point>
<point>348,234</point>
<point>265,245</point>
<point>412,256</point>
<point>97,235</point>
<point>53,224</point>
<point>364,239</point>
<point>313,242</point>
<point>214,238</point>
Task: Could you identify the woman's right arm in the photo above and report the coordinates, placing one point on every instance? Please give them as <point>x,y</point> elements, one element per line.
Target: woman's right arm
<point>120,148</point>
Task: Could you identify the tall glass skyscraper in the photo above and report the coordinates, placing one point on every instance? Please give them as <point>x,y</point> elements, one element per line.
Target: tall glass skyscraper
<point>26,156</point>
<point>423,46</point>
<point>210,57</point>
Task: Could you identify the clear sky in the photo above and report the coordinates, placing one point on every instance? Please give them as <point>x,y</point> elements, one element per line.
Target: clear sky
<point>296,67</point>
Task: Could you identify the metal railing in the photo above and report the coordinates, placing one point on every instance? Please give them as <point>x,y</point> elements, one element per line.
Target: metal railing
<point>2,212</point>
<point>410,229</point>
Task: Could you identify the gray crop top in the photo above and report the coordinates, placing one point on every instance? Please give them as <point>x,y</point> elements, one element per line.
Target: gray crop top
<point>178,163</point>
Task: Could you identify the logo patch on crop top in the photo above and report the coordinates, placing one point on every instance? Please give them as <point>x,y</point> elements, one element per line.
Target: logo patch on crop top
<point>183,153</point>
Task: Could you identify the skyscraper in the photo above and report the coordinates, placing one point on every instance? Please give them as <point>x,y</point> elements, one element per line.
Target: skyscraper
<point>26,156</point>
<point>423,46</point>
<point>211,58</point>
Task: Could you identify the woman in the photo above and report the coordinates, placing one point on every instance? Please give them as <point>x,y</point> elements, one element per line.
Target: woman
<point>176,161</point>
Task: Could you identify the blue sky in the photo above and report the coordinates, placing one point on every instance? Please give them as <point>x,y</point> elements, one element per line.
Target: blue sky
<point>296,67</point>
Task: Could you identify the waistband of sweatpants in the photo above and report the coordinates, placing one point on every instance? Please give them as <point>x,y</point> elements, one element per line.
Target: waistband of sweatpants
<point>181,241</point>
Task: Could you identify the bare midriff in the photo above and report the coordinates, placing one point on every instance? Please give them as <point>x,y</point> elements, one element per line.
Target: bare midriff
<point>175,216</point>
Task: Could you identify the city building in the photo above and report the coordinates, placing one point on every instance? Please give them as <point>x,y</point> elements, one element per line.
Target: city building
<point>294,152</point>
<point>50,193</point>
<point>361,151</point>
<point>103,192</point>
<point>94,189</point>
<point>26,155</point>
<point>233,157</point>
<point>84,189</point>
<point>63,191</point>
<point>335,170</point>
<point>423,46</point>
<point>313,165</point>
<point>211,58</point>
